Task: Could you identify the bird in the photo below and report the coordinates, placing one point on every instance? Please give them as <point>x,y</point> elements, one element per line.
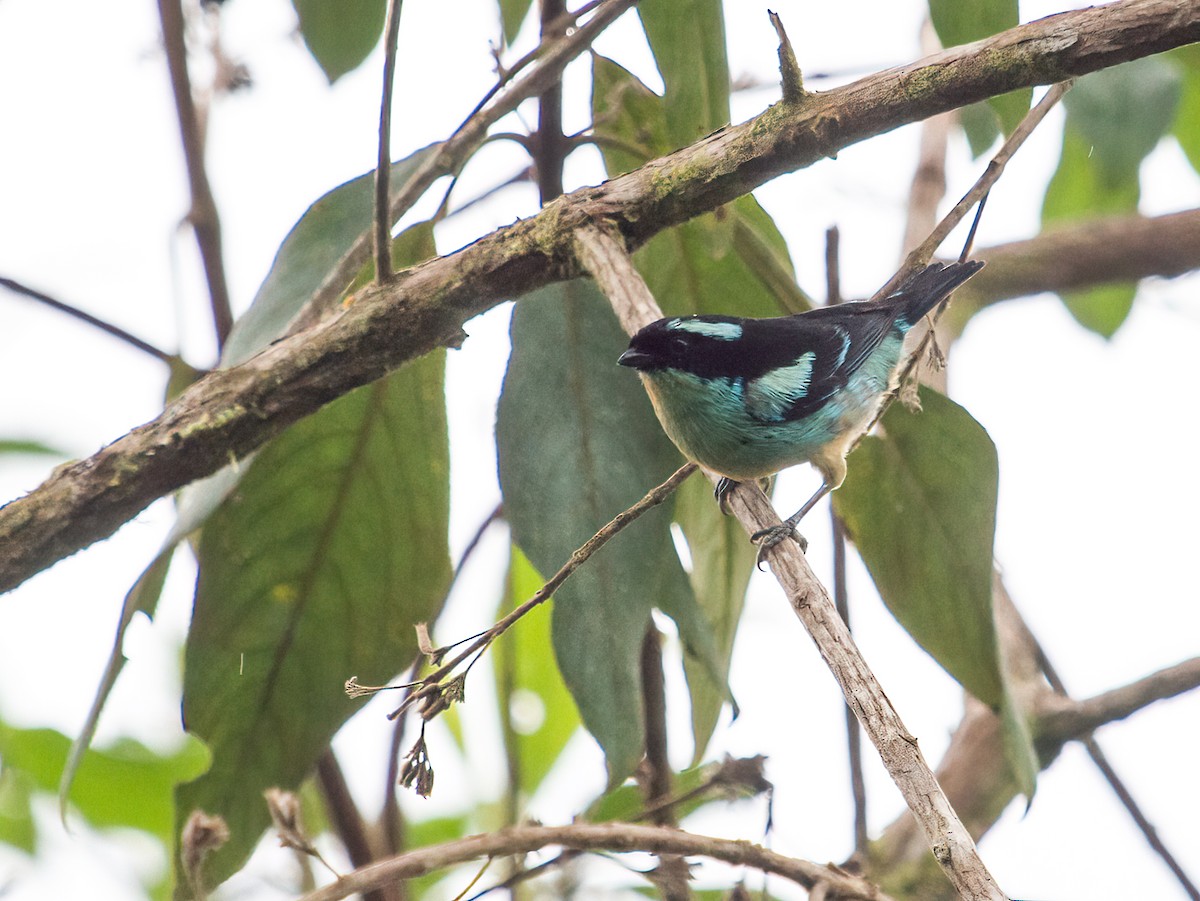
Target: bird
<point>747,398</point>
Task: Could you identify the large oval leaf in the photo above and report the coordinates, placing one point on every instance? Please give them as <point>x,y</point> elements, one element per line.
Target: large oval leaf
<point>1115,117</point>
<point>318,240</point>
<point>315,570</point>
<point>920,504</point>
<point>687,38</point>
<point>577,442</point>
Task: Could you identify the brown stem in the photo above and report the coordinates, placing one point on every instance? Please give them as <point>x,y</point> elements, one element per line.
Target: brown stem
<point>203,214</point>
<point>858,785</point>
<point>1068,719</point>
<point>347,821</point>
<point>671,874</point>
<point>618,837</point>
<point>551,145</point>
<point>383,162</point>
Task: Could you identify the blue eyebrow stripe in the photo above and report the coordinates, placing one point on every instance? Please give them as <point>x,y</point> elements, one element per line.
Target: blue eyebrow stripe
<point>721,331</point>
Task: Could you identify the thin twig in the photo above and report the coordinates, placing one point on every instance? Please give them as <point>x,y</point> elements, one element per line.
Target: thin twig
<point>551,145</point>
<point>671,874</point>
<point>203,215</point>
<point>431,684</point>
<point>619,837</point>
<point>383,163</point>
<point>115,330</point>
<point>923,252</point>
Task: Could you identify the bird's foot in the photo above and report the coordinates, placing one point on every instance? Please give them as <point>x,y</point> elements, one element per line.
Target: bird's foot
<point>768,538</point>
<point>724,486</point>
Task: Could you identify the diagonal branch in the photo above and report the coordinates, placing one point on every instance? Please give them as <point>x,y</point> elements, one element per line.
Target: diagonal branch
<point>952,845</point>
<point>597,837</point>
<point>229,413</point>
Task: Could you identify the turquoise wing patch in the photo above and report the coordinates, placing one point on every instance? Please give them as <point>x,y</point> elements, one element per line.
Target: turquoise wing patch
<point>769,397</point>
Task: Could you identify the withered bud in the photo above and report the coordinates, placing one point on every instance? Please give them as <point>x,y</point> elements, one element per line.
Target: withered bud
<point>202,834</point>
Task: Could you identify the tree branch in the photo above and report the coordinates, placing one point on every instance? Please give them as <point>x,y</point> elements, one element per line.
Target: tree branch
<point>1062,719</point>
<point>596,837</point>
<point>1081,255</point>
<point>231,412</point>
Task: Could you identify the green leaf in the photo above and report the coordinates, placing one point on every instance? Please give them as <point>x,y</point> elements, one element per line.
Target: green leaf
<point>957,22</point>
<point>314,570</point>
<point>981,126</point>
<point>17,829</point>
<point>1121,114</point>
<point>512,15</point>
<point>21,446</point>
<point>125,784</point>
<point>963,21</point>
<point>340,35</point>
<point>722,563</point>
<point>1102,309</point>
<point>1018,744</point>
<point>1080,189</point>
<point>577,443</point>
<point>318,240</point>
<point>1187,119</point>
<point>536,709</point>
<point>687,38</point>
<point>920,504</point>
<point>731,261</point>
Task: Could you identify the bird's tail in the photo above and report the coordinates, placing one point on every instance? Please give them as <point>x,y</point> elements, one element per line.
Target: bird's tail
<point>929,287</point>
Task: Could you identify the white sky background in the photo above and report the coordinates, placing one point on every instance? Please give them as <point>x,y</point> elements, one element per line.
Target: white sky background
<point>1096,523</point>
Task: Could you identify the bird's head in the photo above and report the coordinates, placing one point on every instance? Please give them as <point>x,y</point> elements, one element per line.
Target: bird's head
<point>687,343</point>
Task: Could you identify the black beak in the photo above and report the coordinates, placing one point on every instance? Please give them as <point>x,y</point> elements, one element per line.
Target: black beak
<point>635,359</point>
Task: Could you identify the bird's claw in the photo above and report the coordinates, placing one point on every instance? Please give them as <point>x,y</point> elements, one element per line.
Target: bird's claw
<point>769,537</point>
<point>721,493</point>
